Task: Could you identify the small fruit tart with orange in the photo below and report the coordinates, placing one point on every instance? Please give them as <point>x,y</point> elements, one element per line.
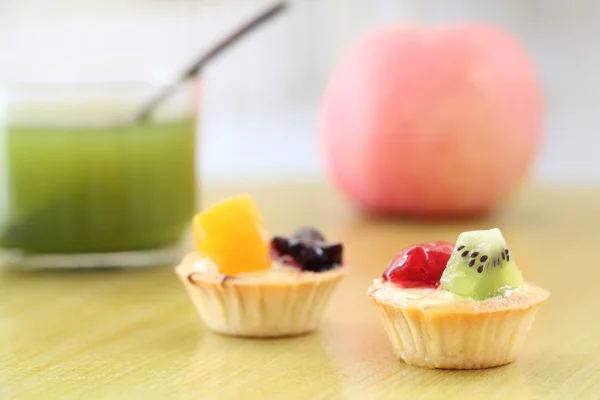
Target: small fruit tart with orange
<point>245,284</point>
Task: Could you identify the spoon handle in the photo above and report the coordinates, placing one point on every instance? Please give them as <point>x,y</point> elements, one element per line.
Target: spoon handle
<point>212,52</point>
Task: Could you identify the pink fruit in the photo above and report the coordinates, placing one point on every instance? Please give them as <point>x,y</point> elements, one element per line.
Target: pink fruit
<point>431,121</point>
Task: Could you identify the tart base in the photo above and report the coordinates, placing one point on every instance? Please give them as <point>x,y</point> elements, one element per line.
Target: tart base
<point>254,308</point>
<point>446,338</point>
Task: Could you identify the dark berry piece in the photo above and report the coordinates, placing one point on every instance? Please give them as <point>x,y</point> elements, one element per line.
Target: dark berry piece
<point>309,258</point>
<point>304,253</point>
<point>332,254</point>
<point>279,246</point>
<point>307,249</point>
<point>307,235</point>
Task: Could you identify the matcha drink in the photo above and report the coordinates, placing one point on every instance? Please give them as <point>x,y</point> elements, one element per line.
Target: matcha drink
<point>95,185</point>
<point>96,190</point>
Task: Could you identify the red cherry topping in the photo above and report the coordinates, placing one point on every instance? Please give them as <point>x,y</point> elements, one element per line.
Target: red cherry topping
<point>420,265</point>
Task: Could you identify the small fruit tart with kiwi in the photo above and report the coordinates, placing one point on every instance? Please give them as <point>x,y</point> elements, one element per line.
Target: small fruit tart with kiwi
<point>462,306</point>
<point>245,284</point>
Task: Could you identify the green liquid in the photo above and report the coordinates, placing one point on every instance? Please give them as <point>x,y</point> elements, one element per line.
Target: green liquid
<point>73,190</point>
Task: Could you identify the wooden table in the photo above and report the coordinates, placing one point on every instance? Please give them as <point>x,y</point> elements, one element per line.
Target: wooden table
<point>129,334</point>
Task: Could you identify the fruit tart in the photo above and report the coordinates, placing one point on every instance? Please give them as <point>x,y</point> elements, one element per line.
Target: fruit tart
<point>462,306</point>
<point>244,284</point>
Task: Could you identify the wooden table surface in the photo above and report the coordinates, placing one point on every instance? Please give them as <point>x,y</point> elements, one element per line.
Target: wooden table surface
<point>129,334</point>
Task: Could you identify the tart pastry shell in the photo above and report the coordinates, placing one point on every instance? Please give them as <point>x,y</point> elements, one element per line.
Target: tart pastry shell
<point>462,335</point>
<point>260,307</point>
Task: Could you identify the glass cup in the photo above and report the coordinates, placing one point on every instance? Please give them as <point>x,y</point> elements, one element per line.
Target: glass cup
<point>83,184</point>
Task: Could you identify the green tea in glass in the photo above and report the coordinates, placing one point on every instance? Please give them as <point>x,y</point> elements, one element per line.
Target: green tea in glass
<point>84,184</point>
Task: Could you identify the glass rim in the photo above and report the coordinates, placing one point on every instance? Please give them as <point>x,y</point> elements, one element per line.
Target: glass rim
<point>89,84</point>
<point>99,103</point>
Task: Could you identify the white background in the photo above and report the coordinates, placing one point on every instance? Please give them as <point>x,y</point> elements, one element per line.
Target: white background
<point>261,99</point>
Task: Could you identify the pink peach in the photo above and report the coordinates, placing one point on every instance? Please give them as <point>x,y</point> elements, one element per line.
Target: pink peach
<point>431,121</point>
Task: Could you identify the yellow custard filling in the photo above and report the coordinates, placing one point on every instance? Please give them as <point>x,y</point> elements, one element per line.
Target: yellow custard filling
<point>426,298</point>
<point>204,269</point>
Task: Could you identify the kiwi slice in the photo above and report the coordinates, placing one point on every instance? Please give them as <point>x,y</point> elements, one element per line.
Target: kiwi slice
<point>481,266</point>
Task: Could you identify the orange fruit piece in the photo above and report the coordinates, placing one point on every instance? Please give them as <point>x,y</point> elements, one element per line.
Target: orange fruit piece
<point>232,234</point>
